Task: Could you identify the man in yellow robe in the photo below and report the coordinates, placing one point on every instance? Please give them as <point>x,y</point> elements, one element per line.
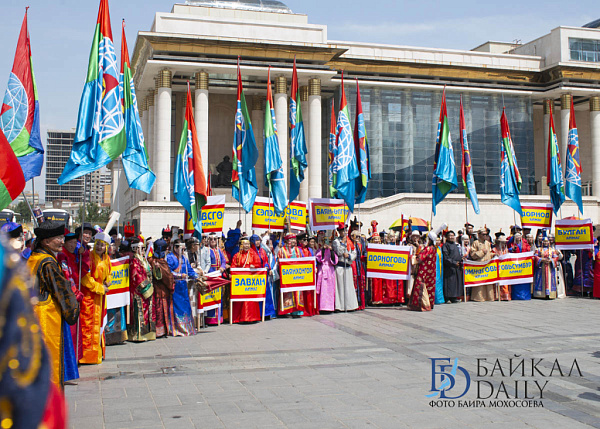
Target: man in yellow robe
<point>56,300</point>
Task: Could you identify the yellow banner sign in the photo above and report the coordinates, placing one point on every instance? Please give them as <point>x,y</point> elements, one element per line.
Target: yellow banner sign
<point>327,214</point>
<point>536,215</point>
<point>210,300</point>
<point>298,274</point>
<point>264,217</point>
<point>571,234</point>
<point>248,284</point>
<point>388,262</point>
<point>480,273</point>
<point>296,212</point>
<point>212,214</point>
<point>515,268</point>
<point>118,291</point>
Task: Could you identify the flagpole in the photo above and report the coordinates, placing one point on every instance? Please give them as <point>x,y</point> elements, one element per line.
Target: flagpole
<point>466,209</point>
<point>80,259</point>
<point>35,223</point>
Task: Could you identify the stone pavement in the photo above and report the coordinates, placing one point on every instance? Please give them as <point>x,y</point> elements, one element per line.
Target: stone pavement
<point>355,370</point>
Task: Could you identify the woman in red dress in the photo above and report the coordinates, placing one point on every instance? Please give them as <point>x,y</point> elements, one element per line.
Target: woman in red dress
<point>422,297</point>
<point>246,311</point>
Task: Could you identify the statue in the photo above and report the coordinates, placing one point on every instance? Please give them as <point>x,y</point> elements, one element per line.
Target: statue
<point>225,169</point>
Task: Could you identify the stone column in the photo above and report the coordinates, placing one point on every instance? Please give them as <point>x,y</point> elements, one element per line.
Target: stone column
<point>548,104</point>
<point>201,117</point>
<point>303,196</point>
<point>150,138</point>
<point>163,137</point>
<point>565,110</point>
<point>258,121</point>
<point>595,141</point>
<point>315,189</point>
<point>143,106</point>
<point>281,118</point>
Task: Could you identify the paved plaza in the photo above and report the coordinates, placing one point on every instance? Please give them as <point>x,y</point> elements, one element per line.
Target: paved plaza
<point>353,370</point>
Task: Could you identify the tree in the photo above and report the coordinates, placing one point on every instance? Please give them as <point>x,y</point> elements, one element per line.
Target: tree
<point>94,214</point>
<point>24,214</point>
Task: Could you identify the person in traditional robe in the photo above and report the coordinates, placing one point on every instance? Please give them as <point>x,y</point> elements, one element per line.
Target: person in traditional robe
<point>596,290</point>
<point>246,311</point>
<point>263,254</point>
<point>95,285</point>
<point>414,240</point>
<point>115,331</point>
<point>359,268</point>
<point>141,310</point>
<point>439,272</point>
<point>521,291</point>
<point>326,262</point>
<point>481,251</point>
<point>56,301</point>
<point>67,259</point>
<point>31,396</point>
<point>193,252</point>
<point>422,297</point>
<point>502,249</point>
<point>232,243</point>
<point>183,323</point>
<point>293,302</point>
<point>164,286</point>
<point>212,259</point>
<point>345,294</point>
<point>310,250</point>
<point>385,291</point>
<point>561,290</point>
<point>453,269</point>
<point>545,260</point>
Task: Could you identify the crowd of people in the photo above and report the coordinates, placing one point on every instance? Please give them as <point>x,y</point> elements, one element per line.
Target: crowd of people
<point>72,271</point>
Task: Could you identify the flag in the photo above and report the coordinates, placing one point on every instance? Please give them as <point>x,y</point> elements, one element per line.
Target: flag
<point>100,135</point>
<point>135,157</point>
<point>190,182</point>
<point>20,113</point>
<point>12,181</point>
<point>245,153</point>
<point>297,140</point>
<point>510,178</point>
<point>345,168</point>
<point>274,176</point>
<point>554,173</point>
<point>573,171</point>
<point>466,169</point>
<point>208,184</point>
<point>362,151</point>
<point>331,155</point>
<point>444,171</point>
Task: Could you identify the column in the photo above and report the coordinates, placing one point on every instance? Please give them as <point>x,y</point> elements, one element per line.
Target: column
<point>163,137</point>
<point>548,104</point>
<point>150,137</point>
<point>201,117</point>
<point>143,106</point>
<point>595,141</point>
<point>565,110</point>
<point>315,189</point>
<point>281,118</point>
<point>303,196</point>
<point>258,120</point>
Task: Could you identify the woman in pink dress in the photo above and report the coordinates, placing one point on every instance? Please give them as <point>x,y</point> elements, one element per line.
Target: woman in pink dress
<point>326,260</point>
<point>422,297</point>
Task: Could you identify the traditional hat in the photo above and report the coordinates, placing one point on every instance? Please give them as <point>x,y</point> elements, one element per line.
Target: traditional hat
<point>289,236</point>
<point>244,238</point>
<point>415,232</point>
<point>449,232</point>
<point>49,229</point>
<point>86,227</point>
<point>499,234</point>
<point>14,230</point>
<point>160,247</point>
<point>482,230</point>
<point>70,235</point>
<point>302,236</point>
<point>341,226</point>
<point>501,238</point>
<point>166,232</point>
<point>468,224</point>
<point>103,236</point>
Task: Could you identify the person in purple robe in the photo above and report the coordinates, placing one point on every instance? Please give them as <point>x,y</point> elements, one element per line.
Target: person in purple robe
<point>326,260</point>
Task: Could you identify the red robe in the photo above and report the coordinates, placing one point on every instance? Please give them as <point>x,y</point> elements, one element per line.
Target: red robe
<point>309,295</point>
<point>245,311</point>
<point>292,301</point>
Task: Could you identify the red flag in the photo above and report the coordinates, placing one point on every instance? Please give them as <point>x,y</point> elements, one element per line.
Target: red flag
<point>12,181</point>
<point>196,168</point>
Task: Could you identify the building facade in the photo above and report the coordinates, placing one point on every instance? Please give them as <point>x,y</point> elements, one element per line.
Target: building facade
<point>401,87</point>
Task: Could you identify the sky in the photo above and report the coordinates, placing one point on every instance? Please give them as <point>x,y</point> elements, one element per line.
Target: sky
<point>61,33</point>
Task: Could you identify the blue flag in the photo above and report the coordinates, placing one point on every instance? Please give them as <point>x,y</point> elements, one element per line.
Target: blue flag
<point>510,178</point>
<point>345,168</point>
<point>573,171</point>
<point>245,154</point>
<point>444,171</point>
<point>554,178</point>
<point>297,139</point>
<point>466,168</point>
<point>362,151</point>
<point>274,176</point>
<point>100,135</point>
<point>135,158</point>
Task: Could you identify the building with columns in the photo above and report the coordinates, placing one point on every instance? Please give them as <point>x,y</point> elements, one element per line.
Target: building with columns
<point>199,42</point>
